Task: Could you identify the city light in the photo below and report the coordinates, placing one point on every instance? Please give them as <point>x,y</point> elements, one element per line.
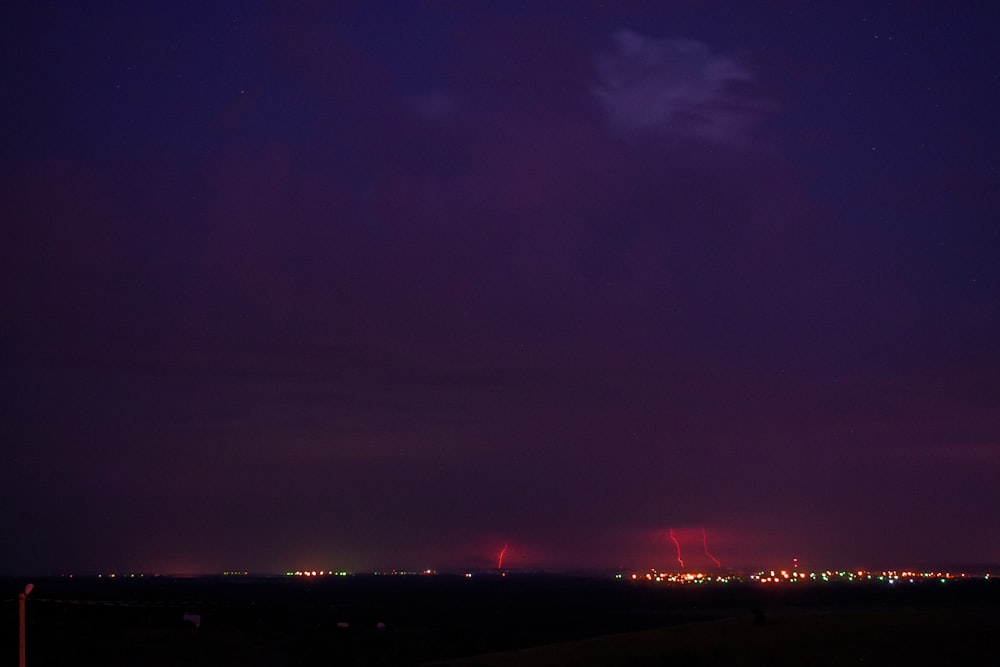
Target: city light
<point>796,577</point>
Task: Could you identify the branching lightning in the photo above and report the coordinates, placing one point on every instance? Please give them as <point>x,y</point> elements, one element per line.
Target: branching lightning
<point>500,558</point>
<point>678,545</point>
<point>704,541</point>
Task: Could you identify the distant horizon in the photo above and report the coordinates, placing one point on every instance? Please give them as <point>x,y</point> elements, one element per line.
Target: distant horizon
<point>968,568</point>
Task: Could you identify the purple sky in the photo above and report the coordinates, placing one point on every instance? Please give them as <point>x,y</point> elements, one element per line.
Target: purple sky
<point>396,284</point>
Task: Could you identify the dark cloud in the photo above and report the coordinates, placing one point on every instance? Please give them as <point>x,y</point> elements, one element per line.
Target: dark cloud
<point>306,303</point>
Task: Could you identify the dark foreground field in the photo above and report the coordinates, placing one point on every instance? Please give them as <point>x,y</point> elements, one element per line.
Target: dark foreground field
<point>490,620</point>
<point>941,637</point>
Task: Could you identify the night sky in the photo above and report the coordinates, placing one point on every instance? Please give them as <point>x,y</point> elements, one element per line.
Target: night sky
<point>394,284</point>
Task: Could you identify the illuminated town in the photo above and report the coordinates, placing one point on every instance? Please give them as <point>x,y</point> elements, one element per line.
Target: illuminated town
<point>654,576</point>
<point>788,577</point>
<point>685,576</point>
<point>761,577</point>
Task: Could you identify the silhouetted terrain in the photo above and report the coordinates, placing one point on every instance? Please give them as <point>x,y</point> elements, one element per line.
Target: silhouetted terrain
<point>390,620</point>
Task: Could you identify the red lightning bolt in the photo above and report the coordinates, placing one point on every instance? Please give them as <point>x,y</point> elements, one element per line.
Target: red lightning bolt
<point>678,545</point>
<point>704,540</point>
<point>500,559</point>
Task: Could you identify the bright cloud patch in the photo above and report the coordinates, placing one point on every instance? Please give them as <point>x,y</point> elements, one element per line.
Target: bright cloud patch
<point>674,86</point>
